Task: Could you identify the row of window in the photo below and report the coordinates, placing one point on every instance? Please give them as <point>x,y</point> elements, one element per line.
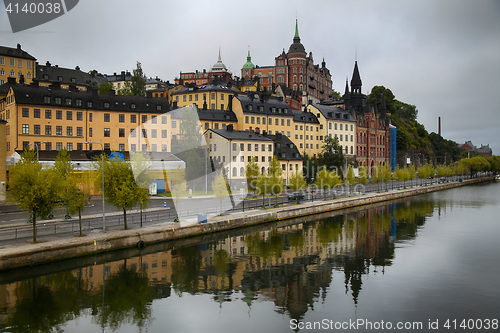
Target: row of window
<point>257,120</point>
<point>144,147</point>
<point>12,62</point>
<point>309,137</point>
<point>48,130</point>
<point>341,126</point>
<point>59,146</point>
<point>48,114</point>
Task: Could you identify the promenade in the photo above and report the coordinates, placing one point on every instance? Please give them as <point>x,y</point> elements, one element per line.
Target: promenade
<point>18,255</point>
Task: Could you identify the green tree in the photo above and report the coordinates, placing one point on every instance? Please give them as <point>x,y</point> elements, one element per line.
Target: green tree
<point>120,187</point>
<point>375,98</point>
<point>297,181</point>
<point>138,81</point>
<point>399,174</point>
<point>336,95</point>
<point>363,175</point>
<point>275,175</point>
<point>252,173</point>
<point>332,155</point>
<point>33,188</point>
<point>78,199</point>
<point>219,186</point>
<point>310,167</point>
<point>105,88</point>
<point>263,185</point>
<point>405,111</point>
<point>411,173</point>
<point>350,179</point>
<point>64,169</point>
<point>326,180</point>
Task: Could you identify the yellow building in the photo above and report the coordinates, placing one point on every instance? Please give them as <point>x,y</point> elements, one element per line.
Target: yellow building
<point>336,122</point>
<point>49,74</point>
<point>235,149</point>
<point>54,118</point>
<point>212,95</point>
<point>14,62</point>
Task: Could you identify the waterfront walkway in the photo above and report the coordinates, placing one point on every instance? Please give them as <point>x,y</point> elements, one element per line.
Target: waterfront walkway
<point>20,255</point>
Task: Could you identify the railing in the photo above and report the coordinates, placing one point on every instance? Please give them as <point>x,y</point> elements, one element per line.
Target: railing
<point>134,219</point>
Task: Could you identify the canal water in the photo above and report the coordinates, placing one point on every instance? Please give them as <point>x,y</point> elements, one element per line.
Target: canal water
<point>426,263</point>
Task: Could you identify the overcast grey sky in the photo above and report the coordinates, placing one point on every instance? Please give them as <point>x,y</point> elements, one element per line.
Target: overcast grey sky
<point>442,56</point>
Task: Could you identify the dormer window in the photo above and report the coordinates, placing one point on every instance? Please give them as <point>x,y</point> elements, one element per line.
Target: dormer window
<point>89,104</point>
<point>45,77</point>
<point>106,105</point>
<point>273,109</point>
<point>73,80</point>
<point>68,101</point>
<point>46,99</point>
<point>158,108</point>
<point>261,108</point>
<point>249,107</point>
<point>78,102</point>
<point>57,100</point>
<point>132,106</point>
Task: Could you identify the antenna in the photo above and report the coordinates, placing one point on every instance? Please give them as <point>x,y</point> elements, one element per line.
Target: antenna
<point>356,53</point>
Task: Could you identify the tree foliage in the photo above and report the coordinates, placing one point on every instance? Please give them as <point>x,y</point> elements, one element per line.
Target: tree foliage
<point>138,81</point>
<point>297,181</point>
<point>105,88</point>
<point>219,186</point>
<point>332,155</point>
<point>252,173</point>
<point>33,188</point>
<point>120,187</point>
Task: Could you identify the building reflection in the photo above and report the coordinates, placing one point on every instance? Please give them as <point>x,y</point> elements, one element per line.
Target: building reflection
<point>290,266</point>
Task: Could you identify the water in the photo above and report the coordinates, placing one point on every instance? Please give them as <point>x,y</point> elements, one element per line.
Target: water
<point>427,260</point>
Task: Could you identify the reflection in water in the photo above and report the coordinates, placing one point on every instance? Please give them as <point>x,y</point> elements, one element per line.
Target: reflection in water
<point>291,266</point>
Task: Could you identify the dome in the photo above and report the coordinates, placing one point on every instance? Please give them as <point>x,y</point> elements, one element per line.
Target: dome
<point>248,64</point>
<point>297,46</point>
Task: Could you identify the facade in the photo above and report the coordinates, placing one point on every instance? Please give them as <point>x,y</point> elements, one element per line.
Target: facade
<point>337,123</point>
<point>213,95</point>
<point>118,80</point>
<point>288,155</point>
<point>306,133</point>
<point>296,70</point>
<point>484,150</point>
<point>218,72</point>
<point>234,150</point>
<point>14,62</point>
<point>55,118</point>
<point>372,125</point>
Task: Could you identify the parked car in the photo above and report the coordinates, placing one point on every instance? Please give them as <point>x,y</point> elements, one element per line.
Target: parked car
<point>295,196</point>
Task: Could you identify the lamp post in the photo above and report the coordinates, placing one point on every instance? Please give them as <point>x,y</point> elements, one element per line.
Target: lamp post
<point>102,173</point>
<point>37,147</point>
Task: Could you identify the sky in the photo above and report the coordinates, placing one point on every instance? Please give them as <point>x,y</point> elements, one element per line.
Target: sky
<point>442,56</point>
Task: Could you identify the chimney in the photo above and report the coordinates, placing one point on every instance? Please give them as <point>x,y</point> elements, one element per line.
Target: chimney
<point>439,126</point>
<point>11,80</point>
<point>111,92</point>
<point>250,131</point>
<point>21,79</point>
<point>18,46</point>
<point>230,102</point>
<point>230,127</point>
<point>257,130</point>
<point>174,105</point>
<point>47,64</point>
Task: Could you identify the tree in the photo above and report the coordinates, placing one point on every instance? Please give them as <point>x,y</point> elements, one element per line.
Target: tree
<point>332,155</point>
<point>263,185</point>
<point>310,167</point>
<point>276,179</point>
<point>138,81</point>
<point>77,199</point>
<point>252,173</point>
<point>405,111</point>
<point>375,98</point>
<point>219,186</point>
<point>336,95</point>
<point>120,187</point>
<point>399,174</point>
<point>363,174</point>
<point>350,179</point>
<point>411,173</point>
<point>297,181</point>
<point>326,180</point>
<point>33,189</point>
<point>64,169</point>
<point>105,88</point>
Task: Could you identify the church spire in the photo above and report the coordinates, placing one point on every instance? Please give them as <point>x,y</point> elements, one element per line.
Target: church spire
<point>297,28</point>
<point>356,80</point>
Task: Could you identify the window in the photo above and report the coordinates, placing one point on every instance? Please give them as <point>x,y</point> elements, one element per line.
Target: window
<point>79,146</point>
<point>249,147</point>
<point>263,159</point>
<point>133,118</point>
<point>133,133</point>
<point>12,62</point>
<point>69,131</point>
<point>79,116</point>
<point>121,118</point>
<point>132,106</point>
<point>90,116</point>
<point>256,147</point>
<point>36,129</point>
<point>59,146</point>
<point>164,134</point>
<point>144,133</point>
<point>107,132</point>
<point>68,101</point>
<point>106,105</point>
<point>154,147</point>
<point>174,124</point>
<point>58,130</point>
<point>246,119</point>
<point>48,130</point>
<point>89,104</point>
<point>163,119</point>
<point>133,147</point>
<point>59,114</point>
<point>144,147</point>
<point>154,120</point>
<point>163,148</point>
<point>121,132</point>
<point>26,129</point>
<point>90,132</point>
<point>106,117</point>
<point>242,147</point>
<point>153,133</point>
<point>144,118</point>
<point>69,115</point>
<point>48,146</point>
<point>48,114</point>
<point>78,102</point>
<point>26,113</point>
<point>79,131</point>
<point>58,100</point>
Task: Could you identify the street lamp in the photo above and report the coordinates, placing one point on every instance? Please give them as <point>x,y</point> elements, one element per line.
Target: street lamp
<point>37,147</point>
<point>102,172</point>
